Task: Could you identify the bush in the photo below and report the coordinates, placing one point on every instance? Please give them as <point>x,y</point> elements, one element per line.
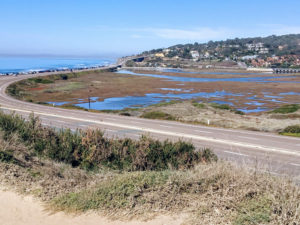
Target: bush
<point>6,157</point>
<point>158,115</point>
<point>287,109</point>
<point>14,90</point>
<point>64,76</point>
<point>221,106</point>
<point>40,80</point>
<point>198,105</point>
<point>292,129</point>
<point>90,149</point>
<point>116,193</point>
<point>226,107</point>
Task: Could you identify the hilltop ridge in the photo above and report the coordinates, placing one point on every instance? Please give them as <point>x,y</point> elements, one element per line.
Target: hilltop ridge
<point>268,52</point>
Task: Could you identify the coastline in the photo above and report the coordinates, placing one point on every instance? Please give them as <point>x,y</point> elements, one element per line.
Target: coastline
<point>63,68</point>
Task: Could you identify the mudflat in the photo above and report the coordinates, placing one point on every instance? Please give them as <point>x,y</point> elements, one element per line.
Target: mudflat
<point>249,95</point>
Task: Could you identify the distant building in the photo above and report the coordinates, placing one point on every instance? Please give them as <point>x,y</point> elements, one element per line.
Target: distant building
<point>160,55</point>
<point>257,47</point>
<point>264,51</point>
<point>206,55</point>
<point>195,55</point>
<point>247,57</point>
<point>166,50</point>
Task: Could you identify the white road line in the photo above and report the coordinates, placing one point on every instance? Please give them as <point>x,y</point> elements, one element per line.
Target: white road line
<point>202,131</point>
<point>170,133</point>
<point>165,126</point>
<point>109,130</point>
<point>136,122</point>
<point>295,164</point>
<point>60,121</point>
<point>297,144</point>
<point>260,134</point>
<point>235,153</point>
<point>251,138</point>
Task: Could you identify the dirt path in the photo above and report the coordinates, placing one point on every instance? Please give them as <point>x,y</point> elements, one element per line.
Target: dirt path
<point>19,210</point>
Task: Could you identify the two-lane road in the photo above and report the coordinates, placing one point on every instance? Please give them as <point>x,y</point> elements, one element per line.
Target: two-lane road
<point>270,152</point>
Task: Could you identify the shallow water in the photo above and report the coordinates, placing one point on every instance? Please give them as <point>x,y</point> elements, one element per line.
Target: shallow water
<point>222,102</point>
<point>118,103</point>
<point>290,93</point>
<point>254,103</point>
<point>257,110</point>
<point>205,72</point>
<point>258,79</point>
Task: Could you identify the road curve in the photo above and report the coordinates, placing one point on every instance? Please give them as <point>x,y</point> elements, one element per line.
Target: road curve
<point>270,152</point>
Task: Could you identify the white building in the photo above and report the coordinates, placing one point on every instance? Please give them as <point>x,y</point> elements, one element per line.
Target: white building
<point>206,55</point>
<point>264,51</point>
<point>247,57</point>
<point>258,47</point>
<point>195,55</point>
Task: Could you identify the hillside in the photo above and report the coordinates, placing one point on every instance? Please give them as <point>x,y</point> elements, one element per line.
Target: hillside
<point>272,51</point>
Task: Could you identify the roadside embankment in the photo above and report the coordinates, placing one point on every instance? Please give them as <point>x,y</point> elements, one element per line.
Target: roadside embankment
<point>162,182</point>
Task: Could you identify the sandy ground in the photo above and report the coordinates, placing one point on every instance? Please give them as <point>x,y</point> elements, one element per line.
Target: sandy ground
<point>19,210</point>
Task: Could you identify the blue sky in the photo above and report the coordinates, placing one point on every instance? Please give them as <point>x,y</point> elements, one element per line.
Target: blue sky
<point>123,27</point>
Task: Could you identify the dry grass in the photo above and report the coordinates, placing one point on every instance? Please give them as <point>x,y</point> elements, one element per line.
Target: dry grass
<point>214,193</point>
<point>188,111</point>
<point>217,193</point>
<point>210,193</point>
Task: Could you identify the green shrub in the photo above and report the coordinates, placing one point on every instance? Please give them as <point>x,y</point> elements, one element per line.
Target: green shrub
<point>221,106</point>
<point>6,157</point>
<point>198,105</point>
<point>119,192</point>
<point>166,103</point>
<point>287,109</point>
<point>64,76</point>
<point>39,80</point>
<point>254,211</point>
<point>158,115</point>
<point>292,129</point>
<point>90,149</point>
<point>238,112</point>
<point>226,107</point>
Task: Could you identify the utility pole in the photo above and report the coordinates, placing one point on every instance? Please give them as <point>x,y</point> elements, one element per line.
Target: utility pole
<point>89,99</point>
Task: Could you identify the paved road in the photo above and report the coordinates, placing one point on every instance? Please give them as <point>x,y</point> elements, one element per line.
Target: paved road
<point>270,152</point>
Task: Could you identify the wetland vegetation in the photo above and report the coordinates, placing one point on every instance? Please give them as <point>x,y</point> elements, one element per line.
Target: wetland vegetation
<point>224,104</point>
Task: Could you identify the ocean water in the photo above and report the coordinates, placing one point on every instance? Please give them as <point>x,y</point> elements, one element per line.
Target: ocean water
<point>30,64</point>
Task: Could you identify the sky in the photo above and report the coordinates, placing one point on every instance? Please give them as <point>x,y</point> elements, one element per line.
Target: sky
<point>126,27</point>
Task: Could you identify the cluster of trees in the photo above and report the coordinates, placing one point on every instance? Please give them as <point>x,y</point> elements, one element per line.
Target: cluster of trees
<point>277,45</point>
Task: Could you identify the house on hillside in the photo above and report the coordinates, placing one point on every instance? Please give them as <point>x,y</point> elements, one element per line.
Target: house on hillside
<point>195,55</point>
<point>160,55</point>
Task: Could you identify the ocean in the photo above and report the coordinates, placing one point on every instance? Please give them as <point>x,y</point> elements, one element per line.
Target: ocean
<point>13,64</point>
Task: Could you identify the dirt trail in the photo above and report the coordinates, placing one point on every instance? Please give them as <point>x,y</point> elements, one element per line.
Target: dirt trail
<point>19,210</point>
